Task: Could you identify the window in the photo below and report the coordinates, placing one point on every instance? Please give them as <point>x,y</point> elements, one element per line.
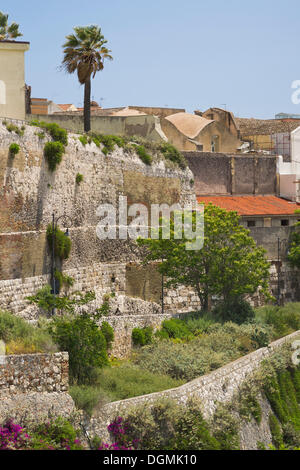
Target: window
<point>251,223</point>
<point>215,143</point>
<point>285,222</point>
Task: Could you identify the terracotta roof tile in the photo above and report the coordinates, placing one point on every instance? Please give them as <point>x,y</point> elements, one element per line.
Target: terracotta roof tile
<point>252,205</point>
<point>252,126</point>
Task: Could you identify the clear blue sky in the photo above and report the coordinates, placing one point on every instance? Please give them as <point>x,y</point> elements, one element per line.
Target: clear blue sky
<point>192,54</point>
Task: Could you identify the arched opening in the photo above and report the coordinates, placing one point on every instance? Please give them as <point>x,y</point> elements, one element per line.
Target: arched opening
<point>2,92</point>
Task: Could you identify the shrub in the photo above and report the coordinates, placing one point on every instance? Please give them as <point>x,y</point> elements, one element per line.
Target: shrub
<point>142,336</point>
<point>176,328</point>
<point>14,149</point>
<point>79,178</point>
<point>198,323</point>
<point>57,133</point>
<point>58,434</point>
<point>275,431</point>
<point>16,129</point>
<point>53,152</point>
<point>87,397</point>
<point>238,310</point>
<point>63,279</point>
<point>85,343</point>
<point>62,243</point>
<point>13,437</point>
<point>128,380</point>
<point>83,139</point>
<point>21,337</point>
<point>284,320</point>
<point>221,345</point>
<point>144,156</point>
<point>171,153</point>
<point>167,425</point>
<point>108,333</point>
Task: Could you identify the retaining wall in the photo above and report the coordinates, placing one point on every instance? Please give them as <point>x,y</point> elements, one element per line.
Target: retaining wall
<point>218,386</point>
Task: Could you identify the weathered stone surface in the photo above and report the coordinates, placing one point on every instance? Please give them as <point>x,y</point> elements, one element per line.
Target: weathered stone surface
<point>36,406</point>
<point>26,373</point>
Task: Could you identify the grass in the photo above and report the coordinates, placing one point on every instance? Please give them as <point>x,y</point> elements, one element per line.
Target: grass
<point>118,383</point>
<point>283,320</point>
<point>22,338</point>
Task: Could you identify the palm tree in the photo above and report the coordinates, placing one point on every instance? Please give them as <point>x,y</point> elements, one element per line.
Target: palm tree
<point>8,32</point>
<point>85,52</point>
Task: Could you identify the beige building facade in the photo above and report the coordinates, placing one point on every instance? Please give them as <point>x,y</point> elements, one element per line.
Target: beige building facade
<point>12,79</point>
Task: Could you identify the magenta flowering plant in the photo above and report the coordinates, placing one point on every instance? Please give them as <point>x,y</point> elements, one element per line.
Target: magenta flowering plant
<point>13,437</point>
<point>118,429</point>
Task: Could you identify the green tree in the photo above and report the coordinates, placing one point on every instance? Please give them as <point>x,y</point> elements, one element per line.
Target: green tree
<point>85,343</point>
<point>8,32</point>
<point>84,53</point>
<point>229,265</point>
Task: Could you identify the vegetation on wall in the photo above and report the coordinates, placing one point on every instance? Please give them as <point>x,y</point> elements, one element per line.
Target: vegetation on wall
<point>13,128</point>
<point>79,178</point>
<point>14,149</point>
<point>57,133</point>
<point>62,243</point>
<point>53,152</point>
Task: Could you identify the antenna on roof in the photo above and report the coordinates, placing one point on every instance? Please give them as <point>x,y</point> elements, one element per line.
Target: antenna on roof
<point>224,106</point>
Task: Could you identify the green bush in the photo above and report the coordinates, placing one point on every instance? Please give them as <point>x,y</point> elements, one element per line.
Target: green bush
<point>144,156</point>
<point>198,323</point>
<point>83,139</point>
<point>62,244</point>
<point>284,320</point>
<point>63,279</point>
<point>85,343</point>
<point>238,310</point>
<point>171,153</point>
<point>128,380</point>
<point>188,360</point>
<point>57,133</point>
<point>167,425</point>
<point>55,435</point>
<point>79,178</point>
<point>53,152</point>
<point>142,336</point>
<point>176,328</point>
<point>16,129</point>
<point>17,330</point>
<point>14,149</point>
<point>275,431</point>
<point>108,333</point>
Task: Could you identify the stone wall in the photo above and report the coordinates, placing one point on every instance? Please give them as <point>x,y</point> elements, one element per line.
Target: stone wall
<point>146,126</point>
<point>27,373</point>
<point>34,387</point>
<point>219,173</point>
<point>218,386</point>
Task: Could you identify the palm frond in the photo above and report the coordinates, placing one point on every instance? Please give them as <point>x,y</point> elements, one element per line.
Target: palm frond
<point>85,52</point>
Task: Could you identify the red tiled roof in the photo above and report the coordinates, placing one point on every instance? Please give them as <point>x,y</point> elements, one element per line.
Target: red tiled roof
<point>252,205</point>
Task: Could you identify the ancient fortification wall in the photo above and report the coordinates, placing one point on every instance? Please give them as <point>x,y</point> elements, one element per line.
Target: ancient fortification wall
<point>218,386</point>
<point>34,386</point>
<point>29,193</point>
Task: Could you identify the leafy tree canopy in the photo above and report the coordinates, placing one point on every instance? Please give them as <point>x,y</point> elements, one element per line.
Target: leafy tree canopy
<point>229,265</point>
<point>8,32</point>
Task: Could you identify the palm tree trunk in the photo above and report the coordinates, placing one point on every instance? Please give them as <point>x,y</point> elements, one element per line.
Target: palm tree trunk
<point>87,105</point>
